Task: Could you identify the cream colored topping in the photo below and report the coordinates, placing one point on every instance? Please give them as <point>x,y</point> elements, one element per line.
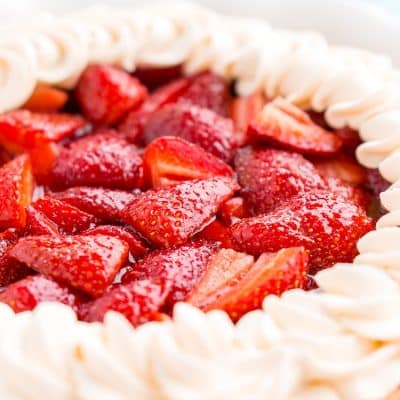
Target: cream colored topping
<point>341,342</point>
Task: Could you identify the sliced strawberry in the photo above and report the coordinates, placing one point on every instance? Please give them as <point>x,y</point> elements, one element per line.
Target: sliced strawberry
<point>350,138</point>
<point>319,119</point>
<point>271,274</point>
<point>217,232</point>
<point>132,125</point>
<point>342,167</point>
<point>23,130</point>
<point>270,177</point>
<point>16,188</point>
<point>105,204</point>
<point>106,93</point>
<point>225,268</point>
<point>154,77</point>
<point>233,209</point>
<point>10,269</point>
<point>201,126</point>
<point>181,266</point>
<point>104,159</point>
<point>26,294</point>
<point>244,109</point>
<point>168,160</point>
<point>87,263</point>
<point>38,223</point>
<point>43,157</point>
<point>207,90</point>
<point>46,99</point>
<point>138,302</point>
<point>137,247</point>
<point>350,192</point>
<point>327,226</point>
<point>285,125</point>
<point>70,219</point>
<point>170,216</point>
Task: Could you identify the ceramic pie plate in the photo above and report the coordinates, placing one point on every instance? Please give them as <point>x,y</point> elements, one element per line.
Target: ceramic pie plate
<point>340,342</point>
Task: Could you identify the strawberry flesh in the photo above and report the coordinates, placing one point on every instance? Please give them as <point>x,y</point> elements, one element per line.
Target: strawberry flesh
<point>326,226</point>
<point>37,223</point>
<point>270,177</point>
<point>138,302</point>
<point>69,219</point>
<point>182,266</point>
<point>105,204</point>
<point>271,274</point>
<point>16,188</point>
<point>26,294</point>
<point>285,125</point>
<point>103,159</point>
<point>171,215</point>
<point>217,232</point>
<point>168,160</point>
<point>195,124</point>
<point>10,269</point>
<point>46,99</point>
<point>105,94</point>
<point>233,210</point>
<point>23,130</point>
<point>137,247</point>
<point>87,263</point>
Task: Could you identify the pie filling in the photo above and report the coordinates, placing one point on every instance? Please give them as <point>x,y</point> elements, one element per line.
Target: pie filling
<point>134,192</point>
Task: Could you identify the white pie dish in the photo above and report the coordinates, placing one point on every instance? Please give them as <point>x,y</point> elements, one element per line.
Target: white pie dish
<point>346,339</point>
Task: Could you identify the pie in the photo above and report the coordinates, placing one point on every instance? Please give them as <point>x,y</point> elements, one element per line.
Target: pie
<point>196,206</point>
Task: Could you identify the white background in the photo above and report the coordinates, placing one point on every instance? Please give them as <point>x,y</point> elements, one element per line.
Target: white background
<point>350,22</point>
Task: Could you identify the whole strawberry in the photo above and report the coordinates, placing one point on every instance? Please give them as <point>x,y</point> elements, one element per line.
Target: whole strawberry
<point>328,227</point>
<point>270,177</point>
<point>171,215</point>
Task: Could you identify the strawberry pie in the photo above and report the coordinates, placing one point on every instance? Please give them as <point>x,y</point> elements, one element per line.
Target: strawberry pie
<point>189,212</point>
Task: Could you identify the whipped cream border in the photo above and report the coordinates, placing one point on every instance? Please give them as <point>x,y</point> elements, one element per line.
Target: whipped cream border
<point>342,342</point>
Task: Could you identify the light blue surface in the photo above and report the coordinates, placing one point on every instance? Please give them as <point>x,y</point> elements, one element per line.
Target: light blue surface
<point>391,5</point>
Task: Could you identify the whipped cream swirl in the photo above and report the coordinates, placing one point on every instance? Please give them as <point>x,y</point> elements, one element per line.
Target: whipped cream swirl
<point>341,342</point>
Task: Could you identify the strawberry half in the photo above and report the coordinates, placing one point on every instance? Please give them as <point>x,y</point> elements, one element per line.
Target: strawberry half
<point>10,269</point>
<point>104,159</point>
<point>106,93</point>
<point>46,99</point>
<point>131,127</point>
<point>16,188</point>
<point>87,263</point>
<point>26,294</point>
<point>105,204</point>
<point>69,219</point>
<point>225,269</point>
<point>137,247</point>
<point>271,274</point>
<point>283,124</point>
<point>244,110</point>
<point>270,177</point>
<point>38,223</point>
<point>342,167</point>
<point>198,125</point>
<point>170,216</point>
<point>181,266</point>
<point>232,210</point>
<point>207,90</point>
<point>22,130</point>
<point>327,226</point>
<point>168,160</point>
<point>138,302</point>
